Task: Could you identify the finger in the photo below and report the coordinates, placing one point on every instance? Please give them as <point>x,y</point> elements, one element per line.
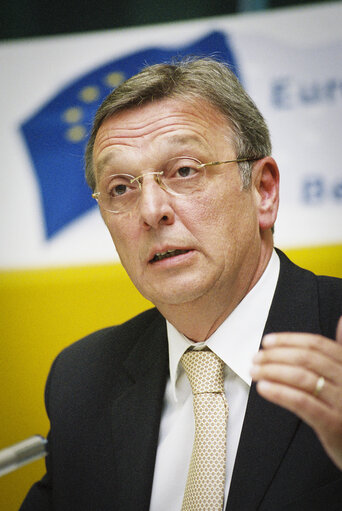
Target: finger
<point>323,419</point>
<point>339,331</point>
<point>302,404</point>
<point>317,363</point>
<point>311,342</point>
<point>326,422</point>
<point>300,378</point>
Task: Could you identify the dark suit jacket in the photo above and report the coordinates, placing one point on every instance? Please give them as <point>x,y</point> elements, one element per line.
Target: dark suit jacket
<point>104,398</point>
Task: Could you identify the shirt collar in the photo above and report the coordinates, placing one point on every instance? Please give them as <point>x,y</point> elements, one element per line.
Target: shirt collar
<point>238,338</point>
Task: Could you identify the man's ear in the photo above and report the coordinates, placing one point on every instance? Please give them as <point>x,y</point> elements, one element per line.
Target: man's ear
<point>266,182</point>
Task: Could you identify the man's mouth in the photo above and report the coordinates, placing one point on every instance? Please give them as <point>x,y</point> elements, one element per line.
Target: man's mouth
<point>169,253</point>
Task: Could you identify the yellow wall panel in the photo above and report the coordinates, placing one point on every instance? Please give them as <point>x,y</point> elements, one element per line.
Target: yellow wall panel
<point>321,260</point>
<point>42,311</point>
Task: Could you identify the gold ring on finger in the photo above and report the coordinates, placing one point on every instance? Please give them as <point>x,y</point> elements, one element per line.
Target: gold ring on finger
<point>319,386</point>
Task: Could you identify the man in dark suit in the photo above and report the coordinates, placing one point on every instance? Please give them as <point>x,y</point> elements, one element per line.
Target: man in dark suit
<point>180,163</point>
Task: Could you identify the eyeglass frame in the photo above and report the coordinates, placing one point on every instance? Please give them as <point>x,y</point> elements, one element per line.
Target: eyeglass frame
<point>96,195</point>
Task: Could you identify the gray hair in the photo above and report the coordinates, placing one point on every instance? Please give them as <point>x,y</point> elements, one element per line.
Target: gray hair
<point>190,80</point>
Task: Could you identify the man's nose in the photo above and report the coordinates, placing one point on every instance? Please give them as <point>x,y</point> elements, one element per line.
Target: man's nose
<point>155,204</point>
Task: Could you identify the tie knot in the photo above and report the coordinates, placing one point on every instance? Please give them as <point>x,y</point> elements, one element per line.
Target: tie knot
<point>204,370</point>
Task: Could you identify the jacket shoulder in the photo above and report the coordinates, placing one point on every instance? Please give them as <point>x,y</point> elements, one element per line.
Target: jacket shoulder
<point>308,295</point>
<point>97,359</point>
<point>330,303</point>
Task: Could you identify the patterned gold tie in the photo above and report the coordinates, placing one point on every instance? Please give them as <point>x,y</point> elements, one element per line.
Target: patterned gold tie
<point>204,489</point>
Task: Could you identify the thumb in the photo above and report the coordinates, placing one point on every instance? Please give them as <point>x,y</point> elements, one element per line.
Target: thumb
<point>339,331</point>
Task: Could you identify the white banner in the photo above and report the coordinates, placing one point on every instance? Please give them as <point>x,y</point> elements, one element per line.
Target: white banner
<point>290,61</point>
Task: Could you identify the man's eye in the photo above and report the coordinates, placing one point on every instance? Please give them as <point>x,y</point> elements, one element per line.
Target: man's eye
<point>185,172</point>
<point>119,186</point>
<point>118,190</point>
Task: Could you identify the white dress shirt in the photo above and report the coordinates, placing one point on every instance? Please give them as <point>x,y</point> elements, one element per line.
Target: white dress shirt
<point>236,341</point>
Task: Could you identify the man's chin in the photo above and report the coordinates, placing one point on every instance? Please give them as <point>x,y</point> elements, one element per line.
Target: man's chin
<point>185,293</point>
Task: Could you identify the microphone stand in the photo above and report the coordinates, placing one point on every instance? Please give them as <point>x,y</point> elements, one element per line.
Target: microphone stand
<point>22,453</point>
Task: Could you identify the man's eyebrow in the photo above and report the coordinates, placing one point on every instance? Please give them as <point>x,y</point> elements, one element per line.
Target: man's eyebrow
<point>172,140</point>
<point>103,163</point>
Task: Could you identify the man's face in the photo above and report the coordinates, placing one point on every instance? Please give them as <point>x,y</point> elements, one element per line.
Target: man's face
<point>216,229</point>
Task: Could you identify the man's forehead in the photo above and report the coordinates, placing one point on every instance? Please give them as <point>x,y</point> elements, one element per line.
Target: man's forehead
<point>169,124</point>
<point>171,141</point>
<point>162,115</point>
<point>157,111</point>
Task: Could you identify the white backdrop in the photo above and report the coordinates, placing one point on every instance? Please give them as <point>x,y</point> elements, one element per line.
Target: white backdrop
<point>290,61</point>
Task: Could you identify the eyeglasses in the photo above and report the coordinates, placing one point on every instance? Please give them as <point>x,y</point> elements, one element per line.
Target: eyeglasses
<point>182,175</point>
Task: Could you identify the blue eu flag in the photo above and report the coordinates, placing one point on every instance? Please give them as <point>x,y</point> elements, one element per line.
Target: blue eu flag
<point>56,135</point>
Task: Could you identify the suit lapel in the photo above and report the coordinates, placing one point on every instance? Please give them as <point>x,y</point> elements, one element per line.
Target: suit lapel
<point>268,429</point>
<point>136,415</point>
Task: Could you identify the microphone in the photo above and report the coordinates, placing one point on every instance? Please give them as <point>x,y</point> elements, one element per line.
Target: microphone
<point>22,453</point>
